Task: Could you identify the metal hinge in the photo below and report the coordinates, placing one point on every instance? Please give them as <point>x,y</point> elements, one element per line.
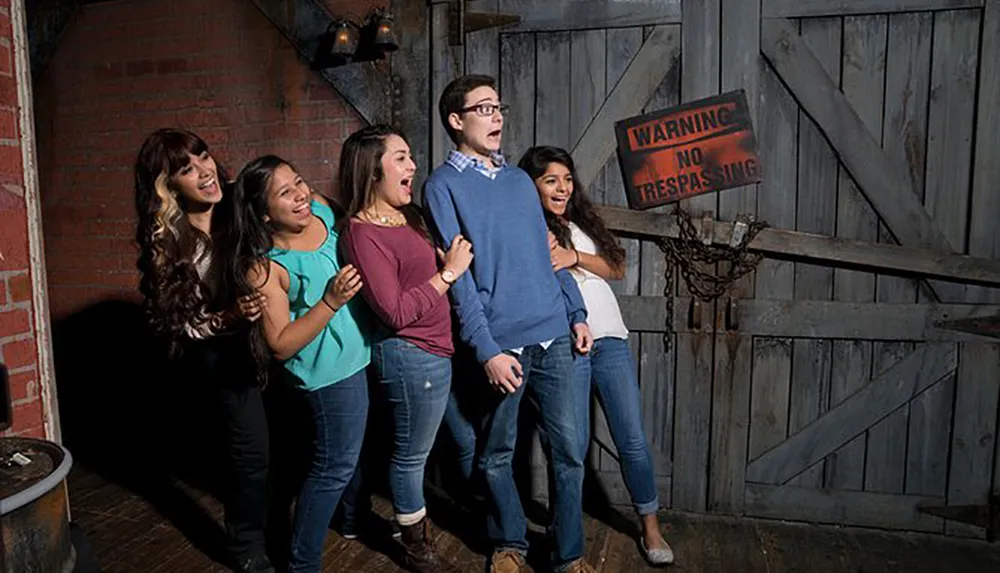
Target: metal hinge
<point>986,516</point>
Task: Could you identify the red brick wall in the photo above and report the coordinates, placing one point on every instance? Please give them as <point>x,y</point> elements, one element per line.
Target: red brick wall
<point>125,68</point>
<point>17,333</point>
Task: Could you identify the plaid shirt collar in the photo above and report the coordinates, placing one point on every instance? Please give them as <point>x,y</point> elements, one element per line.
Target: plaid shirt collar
<point>461,161</point>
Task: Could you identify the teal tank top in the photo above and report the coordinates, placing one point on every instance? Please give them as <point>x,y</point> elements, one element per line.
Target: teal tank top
<point>343,347</point>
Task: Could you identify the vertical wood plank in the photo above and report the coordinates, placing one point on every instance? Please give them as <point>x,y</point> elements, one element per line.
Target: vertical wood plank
<point>657,392</point>
<point>699,78</point>
<point>409,68</point>
<point>863,69</point>
<point>929,433</point>
<point>517,89</point>
<point>904,127</point>
<point>658,381</point>
<point>851,368</point>
<point>552,100</point>
<point>885,463</point>
<point>907,83</point>
<point>446,65</point>
<point>622,45</point>
<point>692,411</point>
<point>700,69</point>
<point>588,79</point>
<point>904,134</point>
<point>984,234</point>
<point>740,64</point>
<point>730,421</point>
<point>816,209</point>
<point>769,394</point>
<point>974,435</point>
<point>775,279</point>
<point>482,47</point>
<point>950,130</point>
<point>588,88</point>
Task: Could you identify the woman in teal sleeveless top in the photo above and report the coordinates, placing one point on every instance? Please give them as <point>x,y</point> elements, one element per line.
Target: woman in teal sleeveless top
<point>341,348</point>
<point>313,324</point>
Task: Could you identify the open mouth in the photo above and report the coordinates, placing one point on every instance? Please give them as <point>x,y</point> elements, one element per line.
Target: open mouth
<point>495,134</point>
<point>209,186</point>
<point>303,208</point>
<point>405,184</point>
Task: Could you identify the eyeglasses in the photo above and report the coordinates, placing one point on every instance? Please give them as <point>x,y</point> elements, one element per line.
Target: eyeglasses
<point>486,109</point>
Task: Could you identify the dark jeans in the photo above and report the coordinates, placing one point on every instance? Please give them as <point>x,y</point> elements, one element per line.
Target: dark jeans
<point>563,405</point>
<point>221,364</point>
<point>339,414</point>
<point>610,369</point>
<point>415,385</point>
<point>247,440</point>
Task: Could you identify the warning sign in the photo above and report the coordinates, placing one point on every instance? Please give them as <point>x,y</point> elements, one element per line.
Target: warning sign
<point>699,147</point>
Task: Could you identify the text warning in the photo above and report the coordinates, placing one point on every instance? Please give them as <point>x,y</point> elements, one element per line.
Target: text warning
<point>700,147</point>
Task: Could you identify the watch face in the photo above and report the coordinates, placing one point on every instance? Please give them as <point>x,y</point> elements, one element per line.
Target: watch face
<point>448,276</point>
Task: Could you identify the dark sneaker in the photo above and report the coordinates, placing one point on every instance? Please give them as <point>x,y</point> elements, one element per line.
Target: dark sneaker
<point>255,564</point>
<point>372,523</point>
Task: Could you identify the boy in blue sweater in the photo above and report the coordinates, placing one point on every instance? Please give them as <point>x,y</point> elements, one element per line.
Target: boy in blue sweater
<point>523,321</point>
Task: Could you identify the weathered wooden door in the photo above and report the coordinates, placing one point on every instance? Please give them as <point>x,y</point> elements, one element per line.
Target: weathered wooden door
<point>830,395</point>
<point>818,388</point>
<point>857,409</point>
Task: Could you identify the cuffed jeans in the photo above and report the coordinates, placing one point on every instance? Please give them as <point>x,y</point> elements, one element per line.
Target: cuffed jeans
<point>416,385</point>
<point>610,369</point>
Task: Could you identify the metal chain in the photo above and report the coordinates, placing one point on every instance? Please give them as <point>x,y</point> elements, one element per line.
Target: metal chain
<point>686,252</point>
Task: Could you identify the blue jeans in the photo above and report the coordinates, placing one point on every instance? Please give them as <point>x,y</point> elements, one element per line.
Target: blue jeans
<point>563,404</point>
<point>339,413</point>
<point>463,431</point>
<point>611,370</point>
<point>416,385</point>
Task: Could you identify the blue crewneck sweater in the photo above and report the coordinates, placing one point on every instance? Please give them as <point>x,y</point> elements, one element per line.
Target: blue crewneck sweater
<point>510,298</point>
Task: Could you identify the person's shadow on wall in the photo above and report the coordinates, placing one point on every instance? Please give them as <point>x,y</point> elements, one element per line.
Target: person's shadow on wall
<point>126,415</point>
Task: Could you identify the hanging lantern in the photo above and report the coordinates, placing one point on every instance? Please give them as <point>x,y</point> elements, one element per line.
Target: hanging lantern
<point>345,39</point>
<point>385,39</point>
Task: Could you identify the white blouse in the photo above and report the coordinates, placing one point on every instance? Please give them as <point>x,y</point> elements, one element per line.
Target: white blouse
<point>603,315</point>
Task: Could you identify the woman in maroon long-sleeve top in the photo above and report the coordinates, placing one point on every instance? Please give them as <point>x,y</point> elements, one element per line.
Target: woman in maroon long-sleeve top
<point>387,241</point>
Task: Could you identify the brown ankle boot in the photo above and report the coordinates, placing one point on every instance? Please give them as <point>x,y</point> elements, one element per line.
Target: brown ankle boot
<point>421,555</point>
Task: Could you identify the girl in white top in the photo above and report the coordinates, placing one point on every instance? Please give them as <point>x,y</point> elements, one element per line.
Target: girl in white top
<point>579,241</point>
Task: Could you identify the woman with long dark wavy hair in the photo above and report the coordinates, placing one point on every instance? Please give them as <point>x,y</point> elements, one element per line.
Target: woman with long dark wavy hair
<point>197,304</point>
<point>579,241</point>
<point>386,239</point>
<point>312,325</point>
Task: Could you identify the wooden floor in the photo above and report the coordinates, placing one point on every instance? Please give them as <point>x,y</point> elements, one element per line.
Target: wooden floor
<point>177,533</point>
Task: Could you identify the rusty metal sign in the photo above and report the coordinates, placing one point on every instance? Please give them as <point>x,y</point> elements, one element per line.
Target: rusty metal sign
<point>700,147</point>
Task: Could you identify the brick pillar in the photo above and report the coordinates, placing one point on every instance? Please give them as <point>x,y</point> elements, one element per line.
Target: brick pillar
<point>23,305</point>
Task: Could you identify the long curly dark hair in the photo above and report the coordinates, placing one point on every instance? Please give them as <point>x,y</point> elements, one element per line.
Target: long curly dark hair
<point>579,209</point>
<point>173,293</point>
<point>361,167</point>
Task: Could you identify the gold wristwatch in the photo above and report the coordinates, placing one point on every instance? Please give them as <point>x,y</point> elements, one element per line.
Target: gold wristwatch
<point>448,276</point>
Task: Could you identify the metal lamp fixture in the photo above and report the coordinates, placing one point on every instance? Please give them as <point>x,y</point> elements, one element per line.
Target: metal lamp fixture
<point>346,41</point>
